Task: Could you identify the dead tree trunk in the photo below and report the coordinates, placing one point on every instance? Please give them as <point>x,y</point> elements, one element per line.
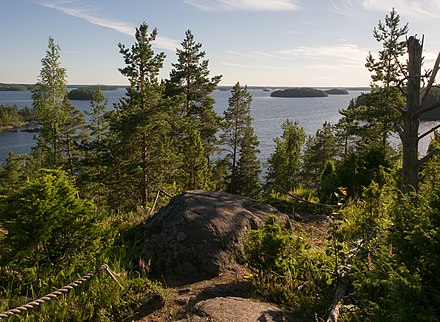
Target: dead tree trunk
<point>410,130</point>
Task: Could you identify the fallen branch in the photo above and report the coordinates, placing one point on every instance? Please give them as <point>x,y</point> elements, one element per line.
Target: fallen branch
<point>341,290</point>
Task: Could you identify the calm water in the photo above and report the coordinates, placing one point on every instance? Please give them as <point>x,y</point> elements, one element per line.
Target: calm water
<point>268,112</point>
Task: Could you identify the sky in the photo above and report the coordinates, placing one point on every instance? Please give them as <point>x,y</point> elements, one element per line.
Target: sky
<point>316,43</point>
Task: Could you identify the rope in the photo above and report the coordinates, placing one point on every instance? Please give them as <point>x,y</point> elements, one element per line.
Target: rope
<point>58,292</point>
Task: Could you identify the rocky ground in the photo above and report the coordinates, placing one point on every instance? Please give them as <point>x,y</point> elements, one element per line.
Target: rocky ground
<point>194,242</point>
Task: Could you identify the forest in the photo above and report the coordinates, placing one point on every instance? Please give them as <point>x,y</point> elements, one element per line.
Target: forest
<point>101,178</point>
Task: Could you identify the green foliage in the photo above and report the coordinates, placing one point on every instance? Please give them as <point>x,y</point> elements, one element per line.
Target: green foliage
<point>285,162</point>
<point>190,82</point>
<point>82,93</point>
<point>387,72</point>
<point>285,269</point>
<point>14,87</point>
<point>48,98</point>
<point>9,115</point>
<point>95,150</point>
<point>71,134</point>
<point>196,173</point>
<point>141,128</point>
<point>49,238</point>
<point>248,166</point>
<point>318,150</point>
<point>99,299</point>
<point>46,224</point>
<point>328,186</point>
<point>241,143</point>
<point>355,173</point>
<point>14,172</point>
<point>220,174</point>
<point>396,262</point>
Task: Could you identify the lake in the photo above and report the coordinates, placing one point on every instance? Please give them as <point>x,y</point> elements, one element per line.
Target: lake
<point>268,113</point>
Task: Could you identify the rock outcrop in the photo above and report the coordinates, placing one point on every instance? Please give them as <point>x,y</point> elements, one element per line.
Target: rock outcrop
<point>226,309</point>
<point>197,235</point>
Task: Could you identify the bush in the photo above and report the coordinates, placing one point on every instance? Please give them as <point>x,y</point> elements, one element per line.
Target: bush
<point>286,269</point>
<point>46,224</point>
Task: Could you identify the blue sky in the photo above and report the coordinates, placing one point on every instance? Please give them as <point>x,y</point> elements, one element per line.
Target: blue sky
<point>256,42</point>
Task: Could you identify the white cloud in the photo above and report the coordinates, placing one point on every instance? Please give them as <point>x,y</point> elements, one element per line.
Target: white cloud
<point>88,13</point>
<point>248,5</point>
<point>345,7</point>
<point>418,9</point>
<point>252,54</point>
<point>410,8</point>
<point>345,53</point>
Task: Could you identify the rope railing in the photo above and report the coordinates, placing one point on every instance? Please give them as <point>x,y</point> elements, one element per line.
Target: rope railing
<point>67,288</point>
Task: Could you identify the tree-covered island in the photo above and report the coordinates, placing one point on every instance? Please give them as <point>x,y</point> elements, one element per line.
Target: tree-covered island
<point>299,92</point>
<point>86,93</point>
<point>15,87</point>
<point>337,91</point>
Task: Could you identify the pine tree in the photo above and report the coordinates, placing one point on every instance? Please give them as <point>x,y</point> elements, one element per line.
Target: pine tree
<point>248,166</point>
<point>318,150</point>
<point>190,81</point>
<point>93,166</point>
<point>98,125</point>
<point>71,135</point>
<point>285,162</point>
<point>141,126</point>
<point>12,175</point>
<point>197,174</point>
<point>48,97</point>
<point>328,184</point>
<point>386,75</point>
<point>237,127</point>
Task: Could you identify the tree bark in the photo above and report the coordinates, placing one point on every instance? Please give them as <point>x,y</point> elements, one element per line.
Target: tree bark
<point>410,135</point>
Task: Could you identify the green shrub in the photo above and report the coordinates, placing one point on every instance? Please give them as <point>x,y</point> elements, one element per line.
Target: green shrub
<point>286,269</point>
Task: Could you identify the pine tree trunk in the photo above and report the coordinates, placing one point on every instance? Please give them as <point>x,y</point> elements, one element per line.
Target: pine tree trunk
<point>410,165</point>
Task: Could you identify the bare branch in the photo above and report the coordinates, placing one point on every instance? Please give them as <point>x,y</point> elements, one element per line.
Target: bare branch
<point>429,132</point>
<point>428,108</point>
<point>398,109</point>
<point>428,156</point>
<point>426,90</point>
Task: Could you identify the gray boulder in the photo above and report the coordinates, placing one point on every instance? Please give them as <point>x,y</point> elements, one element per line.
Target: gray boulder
<point>226,309</point>
<point>197,235</point>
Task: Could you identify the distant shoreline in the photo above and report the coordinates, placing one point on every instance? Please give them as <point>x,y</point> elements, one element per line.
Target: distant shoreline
<point>322,88</point>
<point>27,86</point>
<point>25,127</point>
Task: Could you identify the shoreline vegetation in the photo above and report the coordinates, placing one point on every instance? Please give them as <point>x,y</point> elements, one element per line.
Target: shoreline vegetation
<point>14,120</point>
